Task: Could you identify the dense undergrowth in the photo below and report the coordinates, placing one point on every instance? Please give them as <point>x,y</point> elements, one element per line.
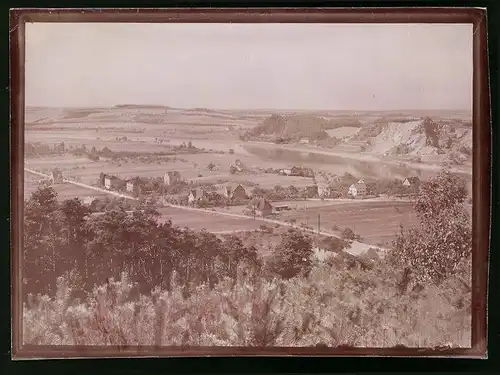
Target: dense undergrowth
<point>335,305</point>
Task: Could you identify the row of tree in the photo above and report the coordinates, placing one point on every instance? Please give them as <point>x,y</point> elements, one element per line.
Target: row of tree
<point>63,237</point>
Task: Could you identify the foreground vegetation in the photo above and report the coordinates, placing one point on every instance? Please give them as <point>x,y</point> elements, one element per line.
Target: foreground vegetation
<point>119,279</point>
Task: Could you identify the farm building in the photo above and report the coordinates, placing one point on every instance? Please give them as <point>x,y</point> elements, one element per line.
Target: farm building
<point>233,191</point>
<point>282,207</point>
<point>112,182</point>
<point>171,178</point>
<point>196,195</point>
<point>411,181</point>
<point>261,206</point>
<point>56,176</point>
<point>358,189</point>
<point>135,185</point>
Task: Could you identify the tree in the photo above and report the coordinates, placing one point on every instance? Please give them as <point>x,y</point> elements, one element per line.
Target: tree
<point>43,228</point>
<point>232,169</point>
<point>434,249</point>
<point>431,130</point>
<point>440,194</point>
<point>210,166</point>
<point>292,256</point>
<point>348,234</point>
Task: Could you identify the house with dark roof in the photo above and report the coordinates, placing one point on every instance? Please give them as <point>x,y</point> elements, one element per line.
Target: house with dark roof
<point>232,191</point>
<point>261,206</point>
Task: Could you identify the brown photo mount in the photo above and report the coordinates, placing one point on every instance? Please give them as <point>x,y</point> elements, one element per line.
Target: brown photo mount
<point>481,154</point>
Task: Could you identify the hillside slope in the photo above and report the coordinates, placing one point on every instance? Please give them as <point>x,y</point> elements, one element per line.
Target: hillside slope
<point>423,137</point>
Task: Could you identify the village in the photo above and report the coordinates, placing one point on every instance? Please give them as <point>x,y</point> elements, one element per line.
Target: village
<point>159,190</point>
<point>315,207</point>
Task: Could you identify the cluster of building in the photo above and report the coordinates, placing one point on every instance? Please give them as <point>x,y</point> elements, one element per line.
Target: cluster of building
<point>358,189</point>
<point>136,184</point>
<point>234,192</point>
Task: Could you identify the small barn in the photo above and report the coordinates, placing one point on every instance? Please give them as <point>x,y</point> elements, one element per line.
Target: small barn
<point>261,206</point>
<point>358,189</point>
<point>171,178</point>
<point>56,176</point>
<point>281,208</point>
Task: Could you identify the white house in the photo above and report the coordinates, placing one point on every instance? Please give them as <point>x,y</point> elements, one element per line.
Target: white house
<point>171,177</point>
<point>358,189</point>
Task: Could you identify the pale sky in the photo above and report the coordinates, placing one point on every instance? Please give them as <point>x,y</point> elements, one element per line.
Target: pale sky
<point>282,66</point>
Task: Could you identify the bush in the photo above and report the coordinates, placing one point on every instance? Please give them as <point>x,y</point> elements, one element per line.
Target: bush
<point>348,234</point>
<point>292,256</point>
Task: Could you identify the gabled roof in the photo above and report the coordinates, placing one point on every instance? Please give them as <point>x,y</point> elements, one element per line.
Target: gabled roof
<point>111,177</point>
<point>136,180</point>
<point>358,185</point>
<point>413,179</point>
<point>173,173</point>
<point>260,204</point>
<point>229,188</point>
<point>197,193</point>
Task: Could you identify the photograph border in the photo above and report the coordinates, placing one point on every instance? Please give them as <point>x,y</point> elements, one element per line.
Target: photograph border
<point>481,174</point>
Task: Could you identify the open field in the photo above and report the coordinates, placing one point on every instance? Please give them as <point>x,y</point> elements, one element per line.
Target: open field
<point>376,222</point>
<point>191,166</point>
<point>64,191</point>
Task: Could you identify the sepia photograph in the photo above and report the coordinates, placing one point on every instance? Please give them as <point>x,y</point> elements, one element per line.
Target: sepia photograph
<point>247,185</point>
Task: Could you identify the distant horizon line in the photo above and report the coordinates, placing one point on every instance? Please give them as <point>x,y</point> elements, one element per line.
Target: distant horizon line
<point>249,108</point>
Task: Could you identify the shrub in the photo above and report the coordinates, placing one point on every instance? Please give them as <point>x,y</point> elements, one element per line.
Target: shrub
<point>348,234</point>
<point>433,250</point>
<point>292,256</point>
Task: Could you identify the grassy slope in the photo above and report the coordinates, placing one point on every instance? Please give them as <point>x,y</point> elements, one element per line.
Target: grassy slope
<point>334,306</point>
